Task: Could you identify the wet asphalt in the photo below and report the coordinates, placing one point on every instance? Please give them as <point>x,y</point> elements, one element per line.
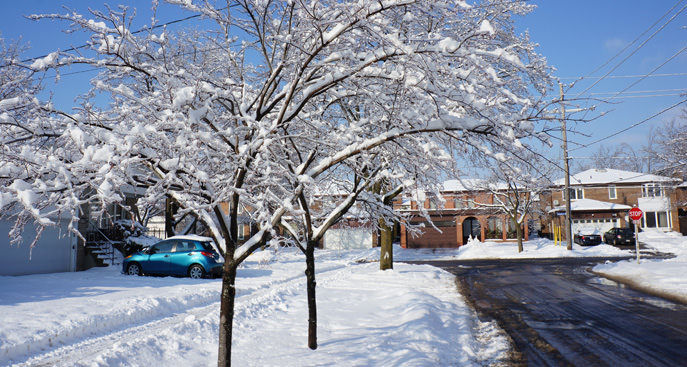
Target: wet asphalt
<point>557,313</point>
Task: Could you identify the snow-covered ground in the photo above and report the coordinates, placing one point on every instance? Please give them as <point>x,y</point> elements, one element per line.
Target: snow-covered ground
<point>534,249</point>
<point>409,316</point>
<point>667,278</point>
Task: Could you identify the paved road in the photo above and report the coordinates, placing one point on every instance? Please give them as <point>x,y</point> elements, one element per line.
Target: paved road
<point>558,314</point>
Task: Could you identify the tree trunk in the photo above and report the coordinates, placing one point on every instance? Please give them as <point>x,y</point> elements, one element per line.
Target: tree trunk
<point>312,301</point>
<point>226,314</point>
<point>518,230</point>
<point>170,210</point>
<point>386,254</point>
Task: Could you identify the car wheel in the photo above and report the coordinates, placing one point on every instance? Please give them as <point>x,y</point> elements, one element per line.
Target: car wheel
<point>196,271</point>
<point>133,269</point>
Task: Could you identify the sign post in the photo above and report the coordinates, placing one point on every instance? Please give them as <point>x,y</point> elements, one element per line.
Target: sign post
<point>636,214</point>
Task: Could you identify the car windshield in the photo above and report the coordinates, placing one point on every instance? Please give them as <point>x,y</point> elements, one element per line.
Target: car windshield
<point>587,231</point>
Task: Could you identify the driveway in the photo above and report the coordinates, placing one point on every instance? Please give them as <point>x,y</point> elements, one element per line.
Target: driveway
<point>559,314</point>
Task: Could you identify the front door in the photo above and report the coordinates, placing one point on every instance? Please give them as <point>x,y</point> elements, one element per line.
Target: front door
<point>471,227</point>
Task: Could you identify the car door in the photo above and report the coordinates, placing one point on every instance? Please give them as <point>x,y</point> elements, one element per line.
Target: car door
<point>181,257</point>
<point>158,259</point>
<point>609,236</point>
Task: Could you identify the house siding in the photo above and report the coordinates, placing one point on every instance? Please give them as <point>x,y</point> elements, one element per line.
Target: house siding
<point>451,221</point>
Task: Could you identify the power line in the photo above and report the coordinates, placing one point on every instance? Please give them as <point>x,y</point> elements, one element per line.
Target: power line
<point>624,76</point>
<point>635,51</point>
<point>635,40</point>
<point>614,157</point>
<point>652,71</point>
<point>641,91</point>
<point>646,96</point>
<point>631,126</point>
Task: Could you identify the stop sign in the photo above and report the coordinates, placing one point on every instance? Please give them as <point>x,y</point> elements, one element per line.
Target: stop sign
<point>636,213</point>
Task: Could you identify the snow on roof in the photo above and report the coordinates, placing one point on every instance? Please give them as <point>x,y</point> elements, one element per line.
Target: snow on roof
<point>471,184</point>
<point>191,237</point>
<point>609,175</point>
<point>590,205</point>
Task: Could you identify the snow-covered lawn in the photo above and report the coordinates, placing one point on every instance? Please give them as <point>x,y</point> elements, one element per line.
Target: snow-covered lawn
<point>667,278</point>
<point>409,316</point>
<point>534,249</point>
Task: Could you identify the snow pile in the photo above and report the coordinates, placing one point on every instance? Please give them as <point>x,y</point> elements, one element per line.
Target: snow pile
<point>40,311</point>
<point>665,278</point>
<point>411,315</point>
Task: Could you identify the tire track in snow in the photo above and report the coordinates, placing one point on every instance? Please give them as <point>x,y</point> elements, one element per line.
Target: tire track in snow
<point>90,347</point>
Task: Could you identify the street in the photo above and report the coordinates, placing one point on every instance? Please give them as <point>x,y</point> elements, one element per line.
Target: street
<point>557,313</point>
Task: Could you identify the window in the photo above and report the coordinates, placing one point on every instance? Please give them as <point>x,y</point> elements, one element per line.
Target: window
<point>207,246</point>
<point>512,231</point>
<point>458,203</point>
<point>651,190</point>
<point>611,192</point>
<point>655,220</point>
<point>662,219</point>
<point>185,246</point>
<point>650,219</point>
<point>163,247</point>
<point>242,231</point>
<point>576,193</point>
<point>494,228</point>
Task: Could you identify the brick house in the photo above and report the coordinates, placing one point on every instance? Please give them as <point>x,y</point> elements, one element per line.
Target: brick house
<point>462,212</point>
<point>601,198</point>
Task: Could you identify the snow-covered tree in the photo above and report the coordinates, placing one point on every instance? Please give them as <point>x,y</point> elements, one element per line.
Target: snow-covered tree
<point>670,152</point>
<point>248,112</point>
<point>621,156</point>
<point>22,128</point>
<point>514,184</point>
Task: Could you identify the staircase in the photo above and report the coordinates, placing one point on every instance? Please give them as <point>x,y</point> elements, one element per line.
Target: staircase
<point>102,247</point>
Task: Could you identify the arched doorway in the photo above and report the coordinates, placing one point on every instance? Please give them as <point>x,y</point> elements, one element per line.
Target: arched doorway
<point>472,227</point>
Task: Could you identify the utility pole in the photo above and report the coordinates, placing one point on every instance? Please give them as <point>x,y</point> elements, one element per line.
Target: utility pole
<point>566,192</point>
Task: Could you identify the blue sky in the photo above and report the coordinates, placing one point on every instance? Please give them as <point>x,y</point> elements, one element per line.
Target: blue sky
<point>575,36</point>
<point>579,36</point>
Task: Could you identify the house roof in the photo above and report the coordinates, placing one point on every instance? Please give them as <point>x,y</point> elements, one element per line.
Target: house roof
<point>472,184</point>
<point>590,205</point>
<point>612,176</point>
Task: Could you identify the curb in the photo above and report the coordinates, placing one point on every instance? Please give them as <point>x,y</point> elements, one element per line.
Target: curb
<point>642,288</point>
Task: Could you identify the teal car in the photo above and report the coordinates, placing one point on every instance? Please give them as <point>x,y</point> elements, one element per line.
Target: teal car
<point>192,256</point>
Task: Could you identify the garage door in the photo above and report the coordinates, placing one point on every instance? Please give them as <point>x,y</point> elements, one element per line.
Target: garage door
<point>431,238</point>
<point>54,252</point>
<point>601,225</point>
<point>347,238</point>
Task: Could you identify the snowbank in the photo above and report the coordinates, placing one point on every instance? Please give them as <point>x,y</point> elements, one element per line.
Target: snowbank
<point>409,316</point>
<point>533,249</point>
<point>665,278</point>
